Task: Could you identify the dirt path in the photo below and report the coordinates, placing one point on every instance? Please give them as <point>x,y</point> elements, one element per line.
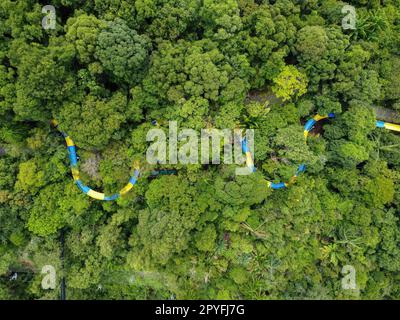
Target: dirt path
<point>264,95</point>
<point>387,115</point>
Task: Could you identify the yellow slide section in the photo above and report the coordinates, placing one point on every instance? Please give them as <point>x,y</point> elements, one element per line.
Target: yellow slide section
<point>392,126</point>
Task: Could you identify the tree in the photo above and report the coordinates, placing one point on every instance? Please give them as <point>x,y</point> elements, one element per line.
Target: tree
<point>44,81</point>
<point>7,89</point>
<point>290,145</point>
<point>92,122</point>
<point>348,154</point>
<point>122,51</point>
<point>30,178</point>
<point>390,68</point>
<point>51,210</point>
<point>205,240</point>
<point>354,61</point>
<point>164,227</point>
<point>171,19</point>
<point>318,50</point>
<point>312,43</point>
<point>83,32</point>
<point>221,18</point>
<point>290,83</point>
<point>181,71</point>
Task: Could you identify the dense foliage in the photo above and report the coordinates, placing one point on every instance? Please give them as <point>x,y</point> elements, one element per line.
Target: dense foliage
<point>112,66</point>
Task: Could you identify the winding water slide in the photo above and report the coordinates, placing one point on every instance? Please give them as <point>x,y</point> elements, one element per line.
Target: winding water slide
<point>85,189</point>
<point>246,150</point>
<point>310,124</point>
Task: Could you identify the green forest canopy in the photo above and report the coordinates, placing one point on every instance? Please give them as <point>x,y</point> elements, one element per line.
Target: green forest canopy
<point>111,67</point>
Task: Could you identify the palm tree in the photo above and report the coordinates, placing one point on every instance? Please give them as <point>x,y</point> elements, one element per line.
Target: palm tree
<point>370,24</point>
